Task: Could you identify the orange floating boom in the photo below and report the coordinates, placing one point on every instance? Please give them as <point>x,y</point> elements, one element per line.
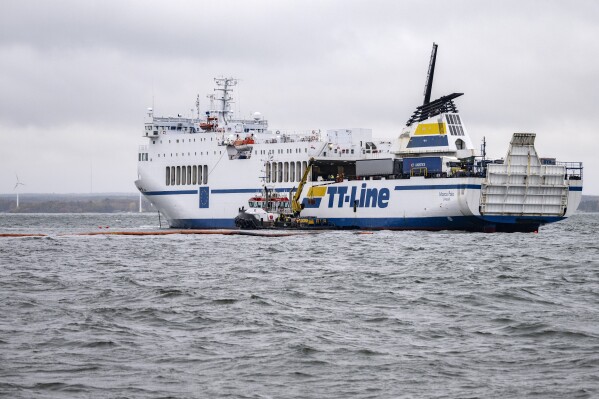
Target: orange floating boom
<point>162,233</point>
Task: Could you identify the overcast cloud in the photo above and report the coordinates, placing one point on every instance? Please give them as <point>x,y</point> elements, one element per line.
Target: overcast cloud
<point>77,76</point>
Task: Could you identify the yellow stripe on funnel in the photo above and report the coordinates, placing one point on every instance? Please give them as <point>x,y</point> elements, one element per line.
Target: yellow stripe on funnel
<point>427,129</point>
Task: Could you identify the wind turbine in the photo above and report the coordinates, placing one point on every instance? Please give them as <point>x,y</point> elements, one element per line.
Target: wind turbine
<point>16,188</point>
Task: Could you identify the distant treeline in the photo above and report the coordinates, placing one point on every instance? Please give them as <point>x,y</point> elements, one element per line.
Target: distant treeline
<point>73,203</point>
<point>589,203</point>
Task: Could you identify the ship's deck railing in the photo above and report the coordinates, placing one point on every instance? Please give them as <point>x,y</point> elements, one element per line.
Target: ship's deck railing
<point>573,170</point>
<point>179,119</point>
<point>338,179</point>
<point>364,154</point>
<point>269,138</point>
<point>293,138</point>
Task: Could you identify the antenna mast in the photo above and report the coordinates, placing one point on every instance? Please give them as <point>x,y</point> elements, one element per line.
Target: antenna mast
<point>198,105</point>
<point>428,87</point>
<point>225,85</point>
<point>483,148</point>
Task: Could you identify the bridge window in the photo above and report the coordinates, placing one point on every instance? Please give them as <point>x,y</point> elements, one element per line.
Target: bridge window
<point>178,175</point>
<point>205,174</point>
<point>194,176</point>
<point>168,175</point>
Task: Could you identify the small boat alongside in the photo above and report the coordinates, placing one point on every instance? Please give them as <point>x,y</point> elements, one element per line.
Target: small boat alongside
<point>270,209</point>
<point>264,210</point>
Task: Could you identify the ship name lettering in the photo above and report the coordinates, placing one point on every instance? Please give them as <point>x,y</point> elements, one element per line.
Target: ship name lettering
<point>365,197</point>
<point>446,194</point>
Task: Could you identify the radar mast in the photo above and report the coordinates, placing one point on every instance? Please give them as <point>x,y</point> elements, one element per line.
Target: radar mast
<point>225,86</point>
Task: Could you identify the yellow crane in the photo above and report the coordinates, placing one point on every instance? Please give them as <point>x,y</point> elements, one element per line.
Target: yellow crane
<point>296,207</point>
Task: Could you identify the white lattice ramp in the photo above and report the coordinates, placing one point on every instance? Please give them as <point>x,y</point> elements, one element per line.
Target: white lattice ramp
<point>522,185</point>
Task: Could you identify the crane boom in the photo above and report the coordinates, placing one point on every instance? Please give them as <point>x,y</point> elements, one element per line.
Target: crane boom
<point>296,207</point>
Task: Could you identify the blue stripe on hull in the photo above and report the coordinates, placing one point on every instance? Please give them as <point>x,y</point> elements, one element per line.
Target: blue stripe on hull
<point>247,190</point>
<point>438,187</point>
<point>467,223</point>
<point>170,192</point>
<point>216,191</point>
<point>522,219</point>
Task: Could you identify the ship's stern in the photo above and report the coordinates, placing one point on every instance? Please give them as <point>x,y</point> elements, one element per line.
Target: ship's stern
<point>525,191</point>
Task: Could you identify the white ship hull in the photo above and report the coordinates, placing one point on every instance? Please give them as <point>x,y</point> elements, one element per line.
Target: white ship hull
<point>415,204</point>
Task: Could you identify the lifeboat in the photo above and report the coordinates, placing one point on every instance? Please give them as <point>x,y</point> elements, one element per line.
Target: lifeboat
<point>210,124</point>
<point>207,126</point>
<point>244,144</point>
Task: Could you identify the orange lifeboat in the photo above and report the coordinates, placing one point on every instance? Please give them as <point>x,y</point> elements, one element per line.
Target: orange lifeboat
<point>210,124</point>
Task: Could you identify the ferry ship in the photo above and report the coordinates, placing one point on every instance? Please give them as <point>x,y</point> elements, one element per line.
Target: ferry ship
<point>199,171</point>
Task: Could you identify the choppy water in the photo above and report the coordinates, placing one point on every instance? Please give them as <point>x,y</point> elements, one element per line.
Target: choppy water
<point>335,315</point>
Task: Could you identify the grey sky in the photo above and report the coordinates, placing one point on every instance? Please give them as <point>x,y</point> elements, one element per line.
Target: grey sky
<point>77,76</point>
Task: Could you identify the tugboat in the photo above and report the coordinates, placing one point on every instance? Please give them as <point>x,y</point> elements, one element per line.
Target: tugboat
<point>265,210</point>
<point>273,209</point>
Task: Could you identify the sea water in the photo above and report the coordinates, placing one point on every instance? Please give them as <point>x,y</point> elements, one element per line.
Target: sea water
<point>335,314</point>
